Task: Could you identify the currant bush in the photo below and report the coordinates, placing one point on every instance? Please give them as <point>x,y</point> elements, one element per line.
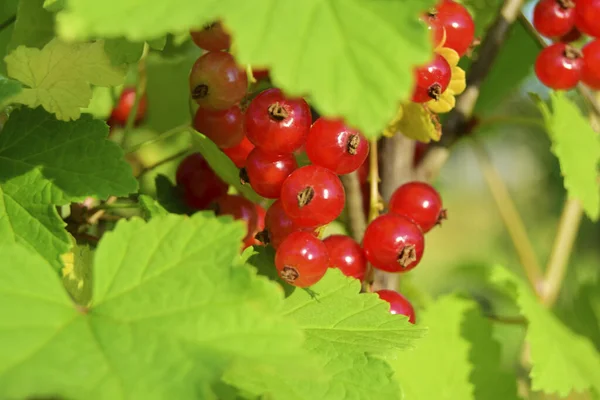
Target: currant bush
<point>213,37</point>
<point>559,66</point>
<point>398,304</point>
<point>200,185</point>
<point>266,172</point>
<point>419,202</point>
<point>238,154</point>
<point>431,80</point>
<point>346,255</point>
<point>335,146</point>
<point>124,107</point>
<point>277,124</point>
<point>301,259</point>
<point>453,20</point>
<point>217,82</point>
<point>590,74</point>
<point>554,18</point>
<point>223,127</point>
<point>393,243</point>
<point>313,196</point>
<point>587,17</point>
<point>241,209</point>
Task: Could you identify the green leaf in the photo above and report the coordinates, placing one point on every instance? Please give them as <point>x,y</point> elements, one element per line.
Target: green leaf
<point>577,147</point>
<point>347,332</point>
<point>77,273</point>
<point>34,26</point>
<point>442,356</point>
<point>222,165</point>
<point>158,44</point>
<point>101,104</point>
<point>491,382</point>
<point>168,91</point>
<point>354,58</point>
<point>170,196</point>
<point>54,5</point>
<point>163,324</point>
<point>151,208</point>
<point>44,163</point>
<point>8,89</point>
<point>8,11</point>
<point>59,75</point>
<point>122,51</point>
<point>561,360</point>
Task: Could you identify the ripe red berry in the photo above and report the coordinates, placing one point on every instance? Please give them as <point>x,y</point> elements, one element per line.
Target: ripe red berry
<point>559,66</point>
<point>590,74</point>
<point>199,182</point>
<point>279,225</point>
<point>455,20</point>
<point>266,172</point>
<point>398,304</point>
<point>431,80</point>
<point>212,37</point>
<point>554,18</point>
<point>333,145</point>
<point>260,226</point>
<point>121,112</point>
<point>571,36</point>
<point>239,208</point>
<point>419,202</point>
<point>587,17</point>
<point>224,127</point>
<point>346,255</point>
<point>238,154</point>
<point>301,259</point>
<point>313,196</point>
<point>393,243</point>
<point>277,124</point>
<point>261,74</point>
<point>216,81</point>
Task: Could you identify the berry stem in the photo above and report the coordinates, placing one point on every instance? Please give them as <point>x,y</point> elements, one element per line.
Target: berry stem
<point>162,136</point>
<point>140,90</point>
<point>566,234</point>
<point>176,156</point>
<point>376,203</point>
<point>511,218</point>
<point>354,205</point>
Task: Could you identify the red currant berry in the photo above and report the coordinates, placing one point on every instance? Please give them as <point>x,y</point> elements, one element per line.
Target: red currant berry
<point>216,81</point>
<point>393,243</point>
<point>224,127</point>
<point>420,202</point>
<point>199,182</point>
<point>301,259</point>
<point>398,304</point>
<point>313,196</point>
<point>431,80</point>
<point>587,17</point>
<point>455,20</point>
<point>261,74</point>
<point>239,208</point>
<point>266,172</point>
<point>279,225</point>
<point>260,226</point>
<point>212,37</point>
<point>333,145</point>
<point>238,154</point>
<point>121,112</point>
<point>277,124</point>
<point>346,255</point>
<point>363,172</point>
<point>554,18</point>
<point>559,66</point>
<point>590,74</point>
<point>571,36</point>
<point>419,153</point>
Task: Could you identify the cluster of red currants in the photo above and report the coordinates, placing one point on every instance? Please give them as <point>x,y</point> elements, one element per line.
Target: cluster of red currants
<point>121,110</point>
<point>561,66</point>
<point>452,26</point>
<point>262,138</point>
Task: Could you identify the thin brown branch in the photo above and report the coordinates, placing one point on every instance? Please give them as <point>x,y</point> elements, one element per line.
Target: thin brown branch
<point>354,205</point>
<point>511,218</point>
<point>456,123</point>
<point>566,234</point>
<point>95,217</point>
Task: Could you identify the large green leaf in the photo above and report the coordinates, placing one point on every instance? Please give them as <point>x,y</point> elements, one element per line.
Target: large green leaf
<point>577,147</point>
<point>442,356</point>
<point>34,26</point>
<point>354,58</point>
<point>8,89</point>
<point>562,361</point>
<point>348,332</point>
<point>163,323</point>
<point>44,163</point>
<point>58,77</point>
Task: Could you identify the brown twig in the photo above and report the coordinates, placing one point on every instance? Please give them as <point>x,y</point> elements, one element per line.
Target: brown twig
<point>354,205</point>
<point>95,217</point>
